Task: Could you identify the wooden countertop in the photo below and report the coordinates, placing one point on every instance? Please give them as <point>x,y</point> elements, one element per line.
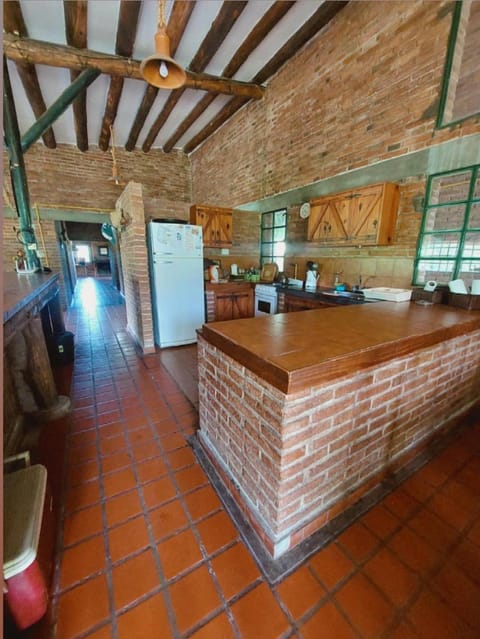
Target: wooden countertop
<point>228,286</point>
<point>21,290</point>
<point>292,351</point>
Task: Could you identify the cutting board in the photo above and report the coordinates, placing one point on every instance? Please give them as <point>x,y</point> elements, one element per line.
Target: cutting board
<point>269,272</point>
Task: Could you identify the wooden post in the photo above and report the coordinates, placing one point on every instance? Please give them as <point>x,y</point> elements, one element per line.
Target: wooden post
<point>17,171</point>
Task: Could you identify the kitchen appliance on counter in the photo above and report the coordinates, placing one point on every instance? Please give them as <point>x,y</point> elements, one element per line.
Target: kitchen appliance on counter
<point>214,274</point>
<point>311,276</point>
<point>266,299</point>
<point>176,268</point>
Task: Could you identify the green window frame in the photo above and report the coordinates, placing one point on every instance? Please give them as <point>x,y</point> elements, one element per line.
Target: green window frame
<point>273,238</point>
<point>460,94</point>
<point>449,240</point>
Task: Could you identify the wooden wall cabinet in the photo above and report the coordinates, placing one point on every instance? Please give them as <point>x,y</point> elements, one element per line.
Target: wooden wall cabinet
<point>216,223</point>
<point>364,216</point>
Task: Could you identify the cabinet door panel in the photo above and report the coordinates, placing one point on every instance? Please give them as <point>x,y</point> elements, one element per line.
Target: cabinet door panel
<point>365,214</point>
<point>223,228</point>
<point>223,308</point>
<point>327,221</point>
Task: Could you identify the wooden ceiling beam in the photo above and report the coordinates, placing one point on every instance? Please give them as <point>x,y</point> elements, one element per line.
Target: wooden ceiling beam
<point>13,22</point>
<point>179,17</point>
<point>317,21</point>
<point>78,86</point>
<point>126,34</point>
<point>322,16</point>
<point>75,14</point>
<point>226,18</point>
<point>222,116</point>
<point>57,55</point>
<point>266,23</point>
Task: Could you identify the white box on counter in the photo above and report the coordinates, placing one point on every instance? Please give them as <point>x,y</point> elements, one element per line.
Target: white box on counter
<point>388,294</point>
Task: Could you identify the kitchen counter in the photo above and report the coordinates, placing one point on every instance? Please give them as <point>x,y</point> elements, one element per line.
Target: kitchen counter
<point>30,303</point>
<point>303,415</point>
<point>291,351</point>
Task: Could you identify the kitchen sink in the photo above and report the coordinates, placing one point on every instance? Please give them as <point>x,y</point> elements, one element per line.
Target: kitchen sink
<point>345,294</point>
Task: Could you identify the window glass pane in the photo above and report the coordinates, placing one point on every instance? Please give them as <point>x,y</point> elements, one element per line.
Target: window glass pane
<point>267,220</point>
<point>440,245</point>
<point>450,188</point>
<point>469,270</point>
<point>440,271</point>
<point>474,219</point>
<point>476,193</point>
<point>445,217</point>
<point>274,229</point>
<point>279,248</point>
<point>471,247</point>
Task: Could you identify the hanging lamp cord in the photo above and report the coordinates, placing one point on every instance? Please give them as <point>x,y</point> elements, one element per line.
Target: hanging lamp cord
<point>161,13</point>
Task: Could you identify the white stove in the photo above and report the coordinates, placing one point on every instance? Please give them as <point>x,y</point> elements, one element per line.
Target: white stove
<point>265,299</point>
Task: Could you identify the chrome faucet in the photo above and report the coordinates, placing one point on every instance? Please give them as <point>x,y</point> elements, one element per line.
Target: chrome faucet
<point>361,284</point>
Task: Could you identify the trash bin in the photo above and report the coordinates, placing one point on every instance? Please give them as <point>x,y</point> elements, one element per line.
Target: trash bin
<point>61,348</point>
<point>25,589</point>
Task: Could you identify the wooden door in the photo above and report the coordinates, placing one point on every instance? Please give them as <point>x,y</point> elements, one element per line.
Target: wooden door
<point>223,230</point>
<point>365,214</point>
<point>328,220</point>
<point>242,305</point>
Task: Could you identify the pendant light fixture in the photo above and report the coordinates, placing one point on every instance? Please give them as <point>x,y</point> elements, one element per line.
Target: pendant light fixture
<point>160,69</point>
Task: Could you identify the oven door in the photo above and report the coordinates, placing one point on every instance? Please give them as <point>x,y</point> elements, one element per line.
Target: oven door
<point>265,304</point>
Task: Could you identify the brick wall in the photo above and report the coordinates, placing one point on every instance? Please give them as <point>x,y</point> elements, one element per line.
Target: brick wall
<point>133,246</point>
<point>66,177</point>
<point>371,90</point>
<point>300,459</point>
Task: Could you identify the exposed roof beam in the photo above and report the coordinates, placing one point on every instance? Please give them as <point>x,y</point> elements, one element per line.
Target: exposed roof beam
<point>76,34</point>
<point>57,55</point>
<point>177,22</point>
<point>126,33</point>
<point>13,22</point>
<point>222,116</point>
<point>258,33</point>
<point>84,79</point>
<point>226,18</point>
<point>319,19</point>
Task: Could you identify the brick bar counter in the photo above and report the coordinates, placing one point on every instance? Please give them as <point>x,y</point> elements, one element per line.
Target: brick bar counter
<point>303,414</point>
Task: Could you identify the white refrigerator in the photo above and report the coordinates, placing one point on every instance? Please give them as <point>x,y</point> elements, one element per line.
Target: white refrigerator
<point>176,268</point>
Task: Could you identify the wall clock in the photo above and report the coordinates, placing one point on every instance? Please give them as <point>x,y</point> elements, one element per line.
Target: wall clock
<point>305,210</point>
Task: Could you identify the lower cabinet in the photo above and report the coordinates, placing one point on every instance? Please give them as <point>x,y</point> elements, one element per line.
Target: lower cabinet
<point>229,301</point>
<point>291,303</point>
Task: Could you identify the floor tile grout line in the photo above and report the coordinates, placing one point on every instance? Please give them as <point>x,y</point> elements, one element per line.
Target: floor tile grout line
<point>423,580</point>
<point>106,542</point>
<point>144,510</point>
<point>402,521</point>
<point>194,529</point>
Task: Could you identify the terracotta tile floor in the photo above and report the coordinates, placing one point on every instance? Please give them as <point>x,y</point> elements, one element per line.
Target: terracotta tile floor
<point>148,550</point>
